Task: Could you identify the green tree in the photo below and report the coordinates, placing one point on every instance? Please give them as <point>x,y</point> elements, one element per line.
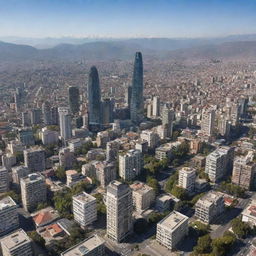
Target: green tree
<point>179,193</point>
<point>240,228</point>
<point>204,245</point>
<point>153,183</point>
<point>171,182</point>
<point>61,173</point>
<point>222,245</point>
<point>37,238</point>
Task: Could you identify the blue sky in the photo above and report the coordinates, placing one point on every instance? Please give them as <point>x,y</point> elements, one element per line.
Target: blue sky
<point>127,18</point>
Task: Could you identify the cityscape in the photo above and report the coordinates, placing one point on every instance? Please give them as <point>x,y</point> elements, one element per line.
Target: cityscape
<point>117,144</point>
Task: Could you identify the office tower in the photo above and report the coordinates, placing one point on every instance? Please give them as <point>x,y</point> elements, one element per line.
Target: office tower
<point>17,101</point>
<point>19,172</point>
<point>94,99</point>
<point>65,123</point>
<point>92,246</point>
<point>54,116</point>
<point>209,206</point>
<point>244,171</point>
<point>105,172</point>
<point>26,137</point>
<point>107,111</point>
<point>187,178</point>
<point>137,102</point>
<point>34,159</point>
<point>143,196</point>
<point>119,211</point>
<point>49,137</point>
<point>84,209</point>
<point>207,122</point>
<point>130,164</point>
<point>172,229</point>
<point>17,244</point>
<point>73,98</point>
<point>156,106</point>
<point>66,158</point>
<point>33,191</point>
<point>46,109</point>
<point>128,95</point>
<point>25,119</point>
<point>9,220</point>
<point>4,180</point>
<point>167,120</point>
<point>36,116</point>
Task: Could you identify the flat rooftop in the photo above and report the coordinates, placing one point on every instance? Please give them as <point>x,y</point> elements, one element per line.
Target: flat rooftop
<point>84,197</point>
<point>173,220</point>
<point>6,203</point>
<point>210,197</point>
<point>33,177</point>
<point>15,239</point>
<point>140,187</point>
<point>84,247</point>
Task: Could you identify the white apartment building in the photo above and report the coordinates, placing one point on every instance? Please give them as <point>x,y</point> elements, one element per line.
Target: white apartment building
<point>187,178</point>
<point>130,164</point>
<point>8,215</point>
<point>207,122</point>
<point>119,211</point>
<point>17,244</point>
<point>19,172</point>
<point>49,137</point>
<point>33,190</point>
<point>143,196</point>
<point>151,137</point>
<point>172,229</point>
<point>209,206</point>
<point>92,246</point>
<point>84,209</point>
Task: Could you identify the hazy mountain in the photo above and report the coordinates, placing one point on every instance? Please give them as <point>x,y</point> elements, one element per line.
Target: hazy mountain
<point>158,48</point>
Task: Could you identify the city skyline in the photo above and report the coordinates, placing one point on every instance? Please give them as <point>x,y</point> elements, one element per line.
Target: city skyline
<point>120,19</point>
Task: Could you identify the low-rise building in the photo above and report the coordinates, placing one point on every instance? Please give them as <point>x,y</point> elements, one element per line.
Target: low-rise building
<point>249,214</point>
<point>73,177</point>
<point>172,229</point>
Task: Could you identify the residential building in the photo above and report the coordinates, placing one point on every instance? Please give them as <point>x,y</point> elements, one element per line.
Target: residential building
<point>73,177</point>
<point>34,159</point>
<point>207,122</point>
<point>187,178</point>
<point>65,123</point>
<point>4,180</point>
<point>19,172</point>
<point>249,213</point>
<point>84,209</point>
<point>119,211</point>
<point>172,229</point>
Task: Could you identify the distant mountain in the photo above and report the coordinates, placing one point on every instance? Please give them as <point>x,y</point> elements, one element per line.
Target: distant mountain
<point>157,48</point>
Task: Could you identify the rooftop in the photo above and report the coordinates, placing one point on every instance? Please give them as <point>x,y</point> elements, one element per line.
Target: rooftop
<point>173,220</point>
<point>33,177</point>
<point>140,187</point>
<point>6,203</point>
<point>84,247</point>
<point>84,197</point>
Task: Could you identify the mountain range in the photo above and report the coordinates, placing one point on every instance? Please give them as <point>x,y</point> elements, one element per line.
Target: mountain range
<point>231,48</point>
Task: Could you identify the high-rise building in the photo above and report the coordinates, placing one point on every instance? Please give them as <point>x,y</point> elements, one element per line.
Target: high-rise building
<point>130,164</point>
<point>34,159</point>
<point>73,97</point>
<point>67,158</point>
<point>156,106</point>
<point>26,137</point>
<point>137,102</point>
<point>209,206</point>
<point>167,120</point>
<point>187,178</point>
<point>49,137</point>
<point>128,95</point>
<point>46,109</point>
<point>36,116</point>
<point>84,209</point>
<point>17,244</point>
<point>112,150</point>
<point>94,99</point>
<point>33,190</point>
<point>207,122</point>
<point>65,123</point>
<point>4,180</point>
<point>151,137</point>
<point>172,229</point>
<point>119,211</point>
<point>54,116</point>
<point>244,171</point>
<point>107,111</point>
<point>9,219</point>
<point>92,246</point>
<point>25,119</point>
<point>19,172</point>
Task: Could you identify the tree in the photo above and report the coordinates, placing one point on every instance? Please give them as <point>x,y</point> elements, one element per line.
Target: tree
<point>222,245</point>
<point>171,182</point>
<point>101,207</point>
<point>240,228</point>
<point>200,228</point>
<point>37,238</point>
<point>16,197</point>
<point>153,183</point>
<point>204,245</point>
<point>61,173</point>
<point>19,157</point>
<point>179,193</point>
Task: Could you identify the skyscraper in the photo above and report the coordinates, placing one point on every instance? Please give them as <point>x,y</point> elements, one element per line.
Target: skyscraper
<point>73,97</point>
<point>65,123</point>
<point>94,98</point>
<point>46,109</point>
<point>137,104</point>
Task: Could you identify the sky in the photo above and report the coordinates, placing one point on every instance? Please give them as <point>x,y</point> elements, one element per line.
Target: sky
<point>127,18</point>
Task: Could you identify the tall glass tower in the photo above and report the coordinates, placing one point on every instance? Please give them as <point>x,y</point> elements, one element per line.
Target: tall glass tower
<point>94,98</point>
<point>73,96</point>
<point>137,104</point>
